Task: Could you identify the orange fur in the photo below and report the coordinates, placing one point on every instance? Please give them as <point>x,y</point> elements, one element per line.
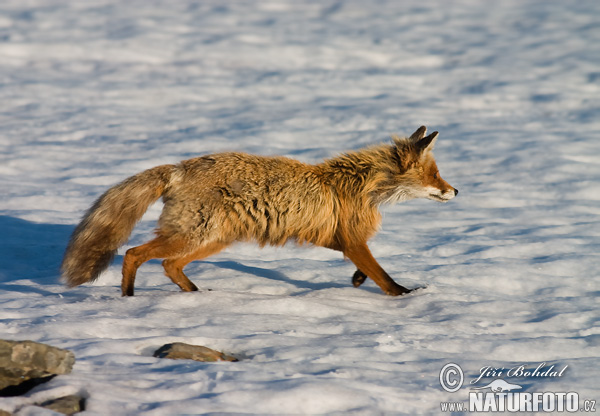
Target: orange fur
<point>215,200</point>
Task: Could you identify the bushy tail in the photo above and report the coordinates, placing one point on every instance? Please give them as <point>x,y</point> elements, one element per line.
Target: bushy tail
<point>109,222</point>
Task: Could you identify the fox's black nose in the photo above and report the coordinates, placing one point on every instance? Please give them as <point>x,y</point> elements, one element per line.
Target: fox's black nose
<point>455,191</point>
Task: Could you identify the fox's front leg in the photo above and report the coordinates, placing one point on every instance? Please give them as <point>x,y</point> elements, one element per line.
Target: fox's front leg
<point>358,278</point>
<point>361,256</point>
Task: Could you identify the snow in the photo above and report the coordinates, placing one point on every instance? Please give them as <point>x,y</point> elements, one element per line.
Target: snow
<point>93,92</point>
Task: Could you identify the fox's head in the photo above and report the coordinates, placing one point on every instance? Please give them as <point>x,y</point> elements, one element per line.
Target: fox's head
<point>415,174</point>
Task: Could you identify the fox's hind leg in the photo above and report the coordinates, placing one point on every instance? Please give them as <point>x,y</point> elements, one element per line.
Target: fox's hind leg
<point>159,248</point>
<point>174,265</point>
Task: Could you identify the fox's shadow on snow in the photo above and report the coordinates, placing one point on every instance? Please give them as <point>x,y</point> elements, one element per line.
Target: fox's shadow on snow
<point>276,275</point>
<point>34,251</point>
<point>30,250</point>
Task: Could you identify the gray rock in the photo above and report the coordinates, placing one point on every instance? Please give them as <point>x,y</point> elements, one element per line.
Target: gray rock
<point>67,405</point>
<point>22,361</point>
<point>182,351</point>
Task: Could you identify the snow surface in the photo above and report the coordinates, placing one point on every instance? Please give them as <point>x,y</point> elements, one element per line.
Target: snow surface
<point>94,91</point>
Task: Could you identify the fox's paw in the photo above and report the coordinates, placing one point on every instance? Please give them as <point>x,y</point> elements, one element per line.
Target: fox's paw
<point>401,290</point>
<point>398,290</point>
<point>358,278</point>
<point>188,287</point>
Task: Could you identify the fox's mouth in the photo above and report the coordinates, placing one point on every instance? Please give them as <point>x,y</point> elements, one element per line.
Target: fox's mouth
<point>437,198</point>
<point>445,197</point>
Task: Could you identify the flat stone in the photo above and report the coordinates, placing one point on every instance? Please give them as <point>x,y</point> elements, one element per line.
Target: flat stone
<point>183,351</point>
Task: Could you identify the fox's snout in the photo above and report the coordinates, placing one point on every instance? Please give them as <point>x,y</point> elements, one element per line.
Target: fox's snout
<point>453,192</point>
<point>442,195</point>
<point>450,193</point>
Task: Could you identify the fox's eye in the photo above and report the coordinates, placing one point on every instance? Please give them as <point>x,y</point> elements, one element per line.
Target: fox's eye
<point>436,175</point>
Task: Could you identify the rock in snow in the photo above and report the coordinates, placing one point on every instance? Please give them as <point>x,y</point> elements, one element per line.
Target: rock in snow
<point>182,351</point>
<point>21,361</point>
<point>67,405</point>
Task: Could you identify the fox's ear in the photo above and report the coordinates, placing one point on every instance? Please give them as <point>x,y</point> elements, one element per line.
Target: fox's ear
<point>427,143</point>
<point>418,134</point>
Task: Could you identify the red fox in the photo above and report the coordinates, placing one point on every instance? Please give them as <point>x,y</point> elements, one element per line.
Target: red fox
<point>215,200</point>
